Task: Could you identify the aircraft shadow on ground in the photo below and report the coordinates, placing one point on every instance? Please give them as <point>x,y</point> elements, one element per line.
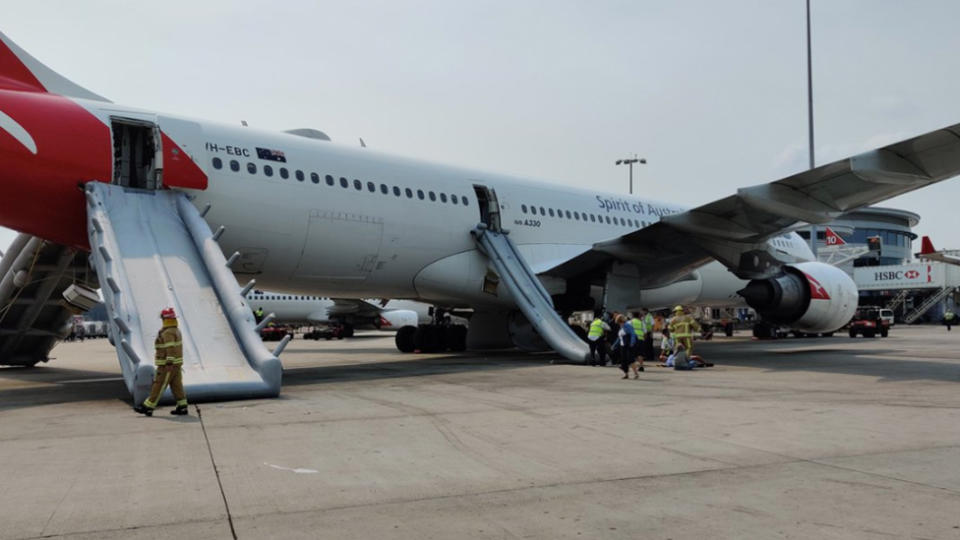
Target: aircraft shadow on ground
<point>59,385</point>
<point>839,360</point>
<point>54,386</point>
<point>413,366</point>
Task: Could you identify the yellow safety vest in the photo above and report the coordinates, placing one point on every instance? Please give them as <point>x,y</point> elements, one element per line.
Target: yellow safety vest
<point>596,328</point>
<point>638,327</point>
<point>949,316</point>
<point>169,347</point>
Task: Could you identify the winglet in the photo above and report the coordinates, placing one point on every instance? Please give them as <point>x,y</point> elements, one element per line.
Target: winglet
<point>926,246</point>
<point>833,239</point>
<point>21,71</point>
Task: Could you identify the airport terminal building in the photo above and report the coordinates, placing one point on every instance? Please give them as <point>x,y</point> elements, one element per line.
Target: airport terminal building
<point>928,288</point>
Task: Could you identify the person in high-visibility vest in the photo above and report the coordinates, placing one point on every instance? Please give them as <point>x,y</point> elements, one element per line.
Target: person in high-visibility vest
<point>647,336</point>
<point>258,315</point>
<point>169,364</point>
<point>597,340</point>
<point>639,328</point>
<point>949,318</point>
<point>682,328</point>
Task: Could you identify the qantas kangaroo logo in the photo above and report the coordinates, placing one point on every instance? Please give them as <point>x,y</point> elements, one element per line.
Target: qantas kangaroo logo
<point>817,292</point>
<point>17,131</point>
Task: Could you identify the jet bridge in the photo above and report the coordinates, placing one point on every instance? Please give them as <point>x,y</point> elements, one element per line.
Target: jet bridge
<point>152,249</point>
<point>532,299</point>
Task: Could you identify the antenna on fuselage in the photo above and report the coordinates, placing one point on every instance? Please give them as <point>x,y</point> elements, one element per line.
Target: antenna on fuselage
<point>243,123</point>
<point>362,144</point>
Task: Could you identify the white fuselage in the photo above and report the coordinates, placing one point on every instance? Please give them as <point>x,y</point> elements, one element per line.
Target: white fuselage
<point>398,228</point>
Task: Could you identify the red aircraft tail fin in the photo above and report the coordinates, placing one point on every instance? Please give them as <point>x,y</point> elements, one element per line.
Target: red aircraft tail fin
<point>20,71</point>
<point>926,246</point>
<point>833,239</point>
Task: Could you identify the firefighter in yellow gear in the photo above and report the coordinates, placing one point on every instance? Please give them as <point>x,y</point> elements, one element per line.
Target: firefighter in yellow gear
<point>169,363</point>
<point>682,327</point>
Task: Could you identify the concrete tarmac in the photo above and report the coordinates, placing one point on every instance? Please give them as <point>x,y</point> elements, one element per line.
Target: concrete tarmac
<point>801,438</point>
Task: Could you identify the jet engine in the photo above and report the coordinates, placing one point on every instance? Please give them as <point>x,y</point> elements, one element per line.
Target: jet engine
<point>811,297</point>
<point>395,319</point>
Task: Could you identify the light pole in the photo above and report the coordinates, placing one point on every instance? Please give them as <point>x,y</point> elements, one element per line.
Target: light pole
<point>630,162</point>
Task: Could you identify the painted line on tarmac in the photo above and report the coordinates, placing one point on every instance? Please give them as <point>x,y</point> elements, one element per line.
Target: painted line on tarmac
<point>98,379</point>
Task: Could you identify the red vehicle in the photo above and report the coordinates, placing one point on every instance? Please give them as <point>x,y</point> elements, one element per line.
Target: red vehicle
<point>868,322</point>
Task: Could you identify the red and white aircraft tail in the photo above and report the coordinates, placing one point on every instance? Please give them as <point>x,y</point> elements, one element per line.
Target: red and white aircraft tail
<point>833,239</point>
<point>21,71</point>
<point>929,253</point>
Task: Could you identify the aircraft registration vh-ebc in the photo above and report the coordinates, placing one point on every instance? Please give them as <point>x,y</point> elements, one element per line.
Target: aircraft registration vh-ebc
<point>149,203</point>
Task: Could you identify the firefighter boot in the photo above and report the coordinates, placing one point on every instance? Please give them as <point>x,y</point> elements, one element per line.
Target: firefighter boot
<point>180,410</point>
<point>143,409</point>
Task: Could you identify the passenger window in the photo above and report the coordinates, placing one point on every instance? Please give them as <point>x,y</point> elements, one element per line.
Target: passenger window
<point>371,187</point>
<point>593,218</point>
<point>443,197</point>
<point>608,220</point>
<point>344,182</point>
<point>523,208</point>
<point>384,189</point>
<point>551,212</point>
<point>567,212</point>
<point>217,163</point>
<point>409,193</point>
<point>268,170</point>
<point>252,168</point>
<point>396,191</point>
<point>315,178</point>
<point>284,173</point>
<point>234,165</point>
<point>543,212</point>
<point>420,194</point>
<point>560,214</point>
<point>465,200</point>
<point>453,199</point>
<point>299,175</point>
<point>357,185</point>
<point>433,196</point>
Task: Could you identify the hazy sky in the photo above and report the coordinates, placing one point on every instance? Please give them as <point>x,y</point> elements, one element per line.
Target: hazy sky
<point>712,94</point>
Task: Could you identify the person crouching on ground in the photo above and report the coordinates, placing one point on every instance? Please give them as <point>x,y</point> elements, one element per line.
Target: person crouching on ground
<point>667,345</point>
<point>627,338</point>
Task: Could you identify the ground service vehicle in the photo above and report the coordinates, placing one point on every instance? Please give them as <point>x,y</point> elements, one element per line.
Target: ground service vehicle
<point>868,322</point>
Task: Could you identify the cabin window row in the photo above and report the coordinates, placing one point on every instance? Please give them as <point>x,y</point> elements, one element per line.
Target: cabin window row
<point>345,183</point>
<point>582,216</point>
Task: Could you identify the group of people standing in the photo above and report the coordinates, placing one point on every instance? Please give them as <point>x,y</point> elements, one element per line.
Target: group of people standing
<point>630,340</point>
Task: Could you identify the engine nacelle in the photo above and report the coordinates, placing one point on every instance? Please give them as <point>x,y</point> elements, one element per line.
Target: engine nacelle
<point>811,297</point>
<point>396,319</point>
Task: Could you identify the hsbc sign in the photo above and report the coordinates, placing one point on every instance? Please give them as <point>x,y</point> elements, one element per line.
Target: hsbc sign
<point>905,276</point>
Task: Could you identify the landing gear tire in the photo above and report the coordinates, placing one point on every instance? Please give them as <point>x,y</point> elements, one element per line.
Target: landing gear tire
<point>429,338</point>
<point>884,333</point>
<point>406,339</point>
<point>455,338</point>
<point>853,333</point>
<point>347,331</point>
<point>728,329</point>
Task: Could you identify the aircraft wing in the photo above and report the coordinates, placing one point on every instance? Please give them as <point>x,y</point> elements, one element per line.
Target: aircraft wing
<point>734,229</point>
<point>355,307</point>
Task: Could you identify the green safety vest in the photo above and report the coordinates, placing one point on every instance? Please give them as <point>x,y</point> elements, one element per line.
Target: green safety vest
<point>637,327</point>
<point>596,328</point>
<point>949,316</point>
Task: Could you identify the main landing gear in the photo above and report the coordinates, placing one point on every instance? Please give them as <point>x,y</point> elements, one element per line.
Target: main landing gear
<point>439,336</point>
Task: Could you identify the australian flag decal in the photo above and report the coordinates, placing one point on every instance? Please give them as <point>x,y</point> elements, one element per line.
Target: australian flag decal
<point>271,155</point>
